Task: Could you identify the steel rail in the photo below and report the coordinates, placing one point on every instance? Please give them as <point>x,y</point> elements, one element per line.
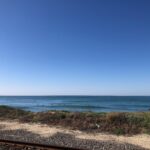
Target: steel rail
<point>36,145</point>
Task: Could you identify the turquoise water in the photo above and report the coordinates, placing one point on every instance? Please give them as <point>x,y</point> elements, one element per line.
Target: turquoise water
<point>78,103</point>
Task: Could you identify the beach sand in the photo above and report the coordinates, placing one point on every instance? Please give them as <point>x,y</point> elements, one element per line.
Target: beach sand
<point>142,140</point>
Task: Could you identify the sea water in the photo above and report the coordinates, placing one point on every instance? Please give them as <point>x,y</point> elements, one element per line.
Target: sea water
<point>78,103</point>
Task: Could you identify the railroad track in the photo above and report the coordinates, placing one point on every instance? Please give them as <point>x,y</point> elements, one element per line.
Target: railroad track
<point>18,145</point>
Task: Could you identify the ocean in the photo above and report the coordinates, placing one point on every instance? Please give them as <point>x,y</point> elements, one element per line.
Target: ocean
<point>78,103</point>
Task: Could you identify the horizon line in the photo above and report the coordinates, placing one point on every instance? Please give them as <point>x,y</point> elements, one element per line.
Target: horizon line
<point>73,95</point>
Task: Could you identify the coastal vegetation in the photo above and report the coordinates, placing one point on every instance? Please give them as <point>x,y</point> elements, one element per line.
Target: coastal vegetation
<point>116,123</point>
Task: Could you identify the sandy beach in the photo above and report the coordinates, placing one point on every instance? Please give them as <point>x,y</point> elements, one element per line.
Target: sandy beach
<point>45,131</point>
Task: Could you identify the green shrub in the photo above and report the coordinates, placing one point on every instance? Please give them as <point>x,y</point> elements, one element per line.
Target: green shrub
<point>119,131</point>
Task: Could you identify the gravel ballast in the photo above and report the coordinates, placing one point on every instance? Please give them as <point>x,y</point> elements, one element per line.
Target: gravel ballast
<point>67,140</point>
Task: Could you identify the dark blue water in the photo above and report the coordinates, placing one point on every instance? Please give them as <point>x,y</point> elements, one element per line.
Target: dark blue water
<point>79,103</point>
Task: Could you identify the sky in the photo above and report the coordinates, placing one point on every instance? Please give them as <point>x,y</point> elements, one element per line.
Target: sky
<point>74,47</point>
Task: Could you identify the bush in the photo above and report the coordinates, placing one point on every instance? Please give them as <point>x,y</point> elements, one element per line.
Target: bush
<point>119,131</point>
<point>117,123</point>
<point>116,118</point>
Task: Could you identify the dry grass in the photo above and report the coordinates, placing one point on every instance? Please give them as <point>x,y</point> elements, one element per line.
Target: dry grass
<point>116,123</point>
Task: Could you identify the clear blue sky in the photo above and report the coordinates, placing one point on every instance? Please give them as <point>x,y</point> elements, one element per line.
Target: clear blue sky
<point>89,47</point>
